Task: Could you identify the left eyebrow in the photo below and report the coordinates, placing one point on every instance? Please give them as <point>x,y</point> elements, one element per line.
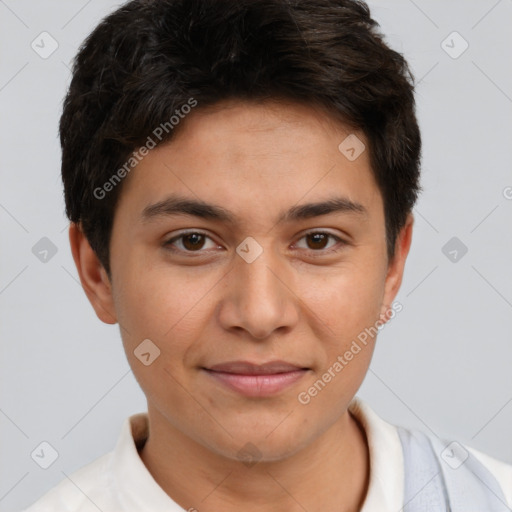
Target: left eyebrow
<point>179,205</point>
<point>311,210</point>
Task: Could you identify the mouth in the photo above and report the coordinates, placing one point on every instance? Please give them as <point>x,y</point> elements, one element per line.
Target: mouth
<point>256,380</point>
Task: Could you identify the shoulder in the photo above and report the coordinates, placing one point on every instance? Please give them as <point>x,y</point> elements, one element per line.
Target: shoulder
<point>501,470</point>
<point>420,460</point>
<point>79,491</point>
<point>468,475</point>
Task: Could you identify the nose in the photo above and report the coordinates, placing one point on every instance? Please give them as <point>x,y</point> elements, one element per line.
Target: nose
<point>258,296</point>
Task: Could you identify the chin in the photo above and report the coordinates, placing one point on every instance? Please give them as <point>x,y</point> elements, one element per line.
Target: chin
<point>271,442</point>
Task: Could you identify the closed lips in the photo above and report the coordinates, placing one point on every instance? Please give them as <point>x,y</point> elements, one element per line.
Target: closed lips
<point>248,368</point>
<point>256,380</point>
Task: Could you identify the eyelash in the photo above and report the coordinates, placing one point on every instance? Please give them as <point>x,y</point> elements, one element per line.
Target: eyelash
<point>319,252</point>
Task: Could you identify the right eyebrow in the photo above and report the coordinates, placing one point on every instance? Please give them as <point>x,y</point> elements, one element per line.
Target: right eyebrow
<point>178,205</point>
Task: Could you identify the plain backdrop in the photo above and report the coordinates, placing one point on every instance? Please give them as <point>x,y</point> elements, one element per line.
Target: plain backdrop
<point>442,365</point>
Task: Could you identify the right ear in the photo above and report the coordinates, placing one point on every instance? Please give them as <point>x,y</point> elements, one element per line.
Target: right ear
<point>93,276</point>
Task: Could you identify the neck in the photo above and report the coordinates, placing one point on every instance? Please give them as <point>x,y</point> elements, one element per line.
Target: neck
<point>331,473</point>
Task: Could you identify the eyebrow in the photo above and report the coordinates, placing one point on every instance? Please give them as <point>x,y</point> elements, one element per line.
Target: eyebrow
<point>179,205</point>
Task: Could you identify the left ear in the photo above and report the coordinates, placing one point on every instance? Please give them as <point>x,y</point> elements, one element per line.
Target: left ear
<point>396,265</point>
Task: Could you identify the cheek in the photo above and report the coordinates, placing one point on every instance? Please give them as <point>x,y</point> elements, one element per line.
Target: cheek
<point>345,300</point>
<point>346,313</point>
<point>164,305</point>
<point>158,306</point>
<point>151,299</point>
<point>327,395</point>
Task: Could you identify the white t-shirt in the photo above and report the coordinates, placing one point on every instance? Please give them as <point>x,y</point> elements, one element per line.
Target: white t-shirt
<point>119,481</point>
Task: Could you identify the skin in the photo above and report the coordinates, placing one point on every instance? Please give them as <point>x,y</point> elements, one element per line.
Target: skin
<point>296,302</point>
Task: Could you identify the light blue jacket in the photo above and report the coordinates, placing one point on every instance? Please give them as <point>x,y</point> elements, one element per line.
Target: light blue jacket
<point>442,477</point>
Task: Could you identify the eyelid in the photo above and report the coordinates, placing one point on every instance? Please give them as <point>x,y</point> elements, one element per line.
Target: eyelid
<point>168,243</point>
<point>339,240</point>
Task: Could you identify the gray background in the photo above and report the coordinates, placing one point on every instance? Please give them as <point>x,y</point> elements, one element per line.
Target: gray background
<point>442,365</point>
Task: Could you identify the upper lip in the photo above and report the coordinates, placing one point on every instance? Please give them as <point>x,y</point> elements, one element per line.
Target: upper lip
<point>248,368</point>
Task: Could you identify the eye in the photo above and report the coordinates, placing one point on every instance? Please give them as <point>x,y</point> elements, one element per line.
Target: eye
<point>317,241</point>
<point>192,241</point>
<point>195,241</point>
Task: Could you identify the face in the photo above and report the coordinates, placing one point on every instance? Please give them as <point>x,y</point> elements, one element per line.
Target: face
<point>261,275</point>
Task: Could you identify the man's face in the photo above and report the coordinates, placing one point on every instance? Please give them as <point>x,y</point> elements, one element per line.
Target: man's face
<point>257,288</point>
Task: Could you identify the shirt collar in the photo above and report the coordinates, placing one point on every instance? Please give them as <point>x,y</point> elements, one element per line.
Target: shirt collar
<point>139,491</point>
<point>136,487</point>
<point>386,484</point>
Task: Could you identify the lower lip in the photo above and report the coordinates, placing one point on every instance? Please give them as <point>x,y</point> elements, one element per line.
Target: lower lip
<point>257,385</point>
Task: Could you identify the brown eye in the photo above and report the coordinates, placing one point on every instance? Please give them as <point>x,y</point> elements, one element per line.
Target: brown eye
<point>321,242</point>
<point>193,241</point>
<point>317,240</point>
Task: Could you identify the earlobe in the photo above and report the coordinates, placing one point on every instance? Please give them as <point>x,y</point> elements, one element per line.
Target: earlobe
<point>93,276</point>
<point>397,264</point>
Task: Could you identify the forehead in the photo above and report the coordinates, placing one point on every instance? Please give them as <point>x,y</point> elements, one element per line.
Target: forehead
<point>251,158</point>
<point>269,129</point>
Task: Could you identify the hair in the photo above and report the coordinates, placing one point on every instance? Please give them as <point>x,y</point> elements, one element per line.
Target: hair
<point>147,59</point>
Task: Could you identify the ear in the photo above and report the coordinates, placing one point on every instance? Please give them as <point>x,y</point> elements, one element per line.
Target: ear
<point>93,276</point>
<point>396,266</point>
